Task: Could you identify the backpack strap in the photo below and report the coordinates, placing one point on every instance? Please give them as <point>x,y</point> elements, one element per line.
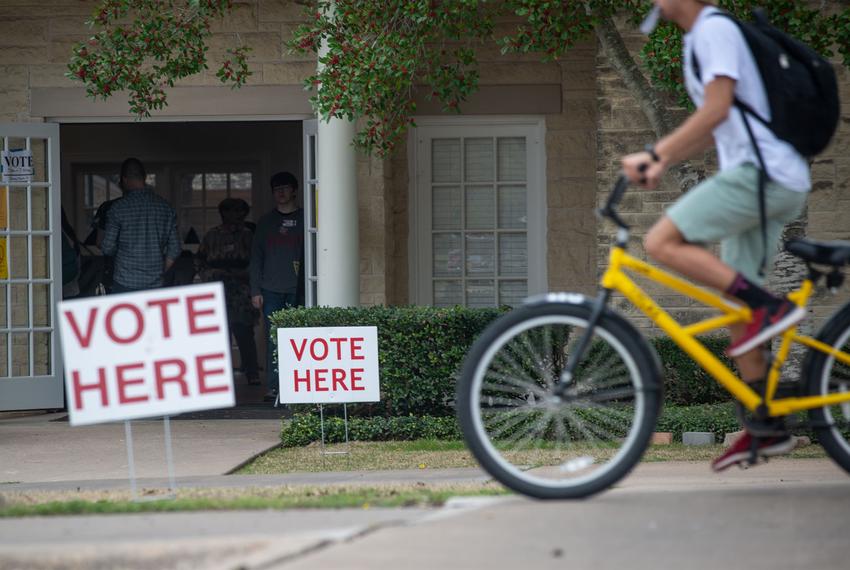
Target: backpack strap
<point>763,175</point>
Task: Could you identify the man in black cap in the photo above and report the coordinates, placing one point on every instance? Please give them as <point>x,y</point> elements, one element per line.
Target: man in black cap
<point>277,261</point>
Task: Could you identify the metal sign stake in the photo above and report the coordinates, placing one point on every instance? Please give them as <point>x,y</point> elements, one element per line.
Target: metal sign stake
<point>324,452</point>
<point>131,464</point>
<point>169,456</point>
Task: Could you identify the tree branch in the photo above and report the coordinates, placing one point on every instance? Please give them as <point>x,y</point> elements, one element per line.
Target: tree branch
<point>647,97</point>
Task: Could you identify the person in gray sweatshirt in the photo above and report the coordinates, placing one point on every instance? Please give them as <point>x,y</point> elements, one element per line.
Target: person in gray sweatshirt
<point>277,261</point>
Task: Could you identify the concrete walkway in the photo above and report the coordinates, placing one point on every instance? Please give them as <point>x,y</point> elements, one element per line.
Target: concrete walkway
<point>40,448</point>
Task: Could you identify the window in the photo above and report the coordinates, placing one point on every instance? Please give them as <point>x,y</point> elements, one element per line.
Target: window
<point>201,193</point>
<point>99,188</point>
<point>475,191</point>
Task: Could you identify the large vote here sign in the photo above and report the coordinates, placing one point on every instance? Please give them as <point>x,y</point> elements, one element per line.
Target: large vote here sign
<point>328,365</point>
<point>146,354</point>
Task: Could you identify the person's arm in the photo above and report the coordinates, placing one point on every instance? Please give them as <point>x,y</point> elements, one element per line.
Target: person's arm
<point>172,242</point>
<point>692,137</point>
<point>109,245</point>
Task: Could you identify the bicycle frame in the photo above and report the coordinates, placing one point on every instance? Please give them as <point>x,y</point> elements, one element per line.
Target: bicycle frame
<point>615,279</point>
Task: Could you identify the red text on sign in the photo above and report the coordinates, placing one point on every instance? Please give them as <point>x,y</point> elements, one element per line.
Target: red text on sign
<point>329,380</point>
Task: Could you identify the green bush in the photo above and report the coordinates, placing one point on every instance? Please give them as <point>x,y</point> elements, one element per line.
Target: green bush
<point>685,383</point>
<point>305,428</point>
<point>420,350</point>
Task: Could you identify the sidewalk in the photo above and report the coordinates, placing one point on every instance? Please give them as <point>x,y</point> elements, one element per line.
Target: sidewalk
<point>41,448</point>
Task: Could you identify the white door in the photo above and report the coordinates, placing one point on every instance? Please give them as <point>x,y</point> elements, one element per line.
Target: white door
<point>478,216</point>
<point>311,214</point>
<point>30,272</point>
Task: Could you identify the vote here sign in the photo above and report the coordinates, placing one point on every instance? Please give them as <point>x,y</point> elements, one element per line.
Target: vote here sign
<point>146,354</point>
<point>328,365</point>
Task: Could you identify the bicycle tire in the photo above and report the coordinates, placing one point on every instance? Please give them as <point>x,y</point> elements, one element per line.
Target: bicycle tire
<point>825,375</point>
<point>507,349</point>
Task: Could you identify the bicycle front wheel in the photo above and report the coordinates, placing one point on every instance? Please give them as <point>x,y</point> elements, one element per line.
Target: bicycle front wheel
<point>557,447</point>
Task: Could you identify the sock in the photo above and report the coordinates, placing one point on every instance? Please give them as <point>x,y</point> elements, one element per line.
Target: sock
<point>751,294</point>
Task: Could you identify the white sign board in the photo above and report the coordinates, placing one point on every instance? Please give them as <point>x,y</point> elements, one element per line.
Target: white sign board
<point>328,365</point>
<point>17,165</point>
<point>152,353</point>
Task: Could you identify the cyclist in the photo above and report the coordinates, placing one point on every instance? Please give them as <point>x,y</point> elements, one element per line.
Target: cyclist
<point>725,207</point>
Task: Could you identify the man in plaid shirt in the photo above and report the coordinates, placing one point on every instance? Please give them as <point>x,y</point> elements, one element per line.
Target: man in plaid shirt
<point>141,233</point>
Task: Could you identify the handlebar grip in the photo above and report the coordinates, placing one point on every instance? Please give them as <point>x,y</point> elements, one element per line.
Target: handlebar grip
<point>617,194</point>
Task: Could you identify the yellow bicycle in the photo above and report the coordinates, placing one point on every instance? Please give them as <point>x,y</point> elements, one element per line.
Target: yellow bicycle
<point>559,398</point>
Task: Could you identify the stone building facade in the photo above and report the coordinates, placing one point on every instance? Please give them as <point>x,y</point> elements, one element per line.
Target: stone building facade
<point>570,120</point>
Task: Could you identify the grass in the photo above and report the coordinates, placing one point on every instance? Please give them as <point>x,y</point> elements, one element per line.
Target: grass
<point>301,497</point>
<point>426,454</point>
<point>423,454</point>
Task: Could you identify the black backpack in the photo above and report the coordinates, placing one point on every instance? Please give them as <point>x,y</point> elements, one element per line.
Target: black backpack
<point>801,89</point>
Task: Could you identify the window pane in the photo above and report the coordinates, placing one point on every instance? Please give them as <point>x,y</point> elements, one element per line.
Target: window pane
<point>4,356</point>
<point>480,254</point>
<point>512,293</point>
<point>480,293</point>
<point>40,257</point>
<point>20,305</point>
<point>240,181</point>
<point>512,207</point>
<point>18,257</point>
<point>513,254</point>
<point>480,208</point>
<point>17,208</point>
<point>20,354</point>
<point>314,211</point>
<point>479,160</point>
<point>448,293</point>
<point>197,181</point>
<point>445,160</point>
<point>40,209</point>
<point>41,349</point>
<point>447,255</point>
<point>41,304</point>
<point>512,159</point>
<point>38,148</point>
<point>216,181</point>
<point>312,173</point>
<point>445,206</point>
<point>3,306</point>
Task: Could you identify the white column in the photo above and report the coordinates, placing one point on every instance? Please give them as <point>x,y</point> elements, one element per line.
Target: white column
<point>338,256</point>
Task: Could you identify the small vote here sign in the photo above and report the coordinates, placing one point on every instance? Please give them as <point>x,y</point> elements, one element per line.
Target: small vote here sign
<point>146,354</point>
<point>328,365</point>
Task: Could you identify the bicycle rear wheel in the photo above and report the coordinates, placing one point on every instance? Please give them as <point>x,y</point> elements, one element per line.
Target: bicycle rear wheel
<point>558,447</point>
<point>826,375</point>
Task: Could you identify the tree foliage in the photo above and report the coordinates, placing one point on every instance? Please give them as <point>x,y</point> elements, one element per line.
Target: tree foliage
<point>145,46</point>
<point>377,56</point>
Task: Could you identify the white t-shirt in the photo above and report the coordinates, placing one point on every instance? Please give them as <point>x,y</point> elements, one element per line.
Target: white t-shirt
<point>721,50</point>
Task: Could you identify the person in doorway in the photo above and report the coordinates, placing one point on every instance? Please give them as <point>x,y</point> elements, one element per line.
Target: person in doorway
<point>277,259</point>
<point>725,208</point>
<point>141,233</point>
<point>225,255</point>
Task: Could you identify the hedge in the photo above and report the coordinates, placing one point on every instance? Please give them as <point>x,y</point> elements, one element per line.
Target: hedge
<point>421,350</point>
<point>304,428</point>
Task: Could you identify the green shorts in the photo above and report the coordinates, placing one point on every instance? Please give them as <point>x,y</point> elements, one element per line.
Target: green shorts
<point>725,209</point>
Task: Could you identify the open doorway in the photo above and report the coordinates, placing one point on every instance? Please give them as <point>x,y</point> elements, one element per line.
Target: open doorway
<point>193,166</point>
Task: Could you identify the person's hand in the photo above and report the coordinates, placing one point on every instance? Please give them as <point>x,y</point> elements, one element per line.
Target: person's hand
<point>642,170</point>
<point>257,301</point>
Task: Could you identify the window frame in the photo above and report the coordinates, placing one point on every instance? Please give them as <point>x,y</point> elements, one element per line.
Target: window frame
<point>420,247</point>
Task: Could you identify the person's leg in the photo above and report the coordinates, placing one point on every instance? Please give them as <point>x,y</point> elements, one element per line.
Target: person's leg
<point>272,302</point>
<point>244,335</point>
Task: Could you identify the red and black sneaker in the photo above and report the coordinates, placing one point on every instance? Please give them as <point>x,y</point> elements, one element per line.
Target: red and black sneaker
<point>742,449</point>
<point>767,322</point>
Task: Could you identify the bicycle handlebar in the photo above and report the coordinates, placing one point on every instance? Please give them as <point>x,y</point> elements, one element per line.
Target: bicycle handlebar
<point>609,210</point>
